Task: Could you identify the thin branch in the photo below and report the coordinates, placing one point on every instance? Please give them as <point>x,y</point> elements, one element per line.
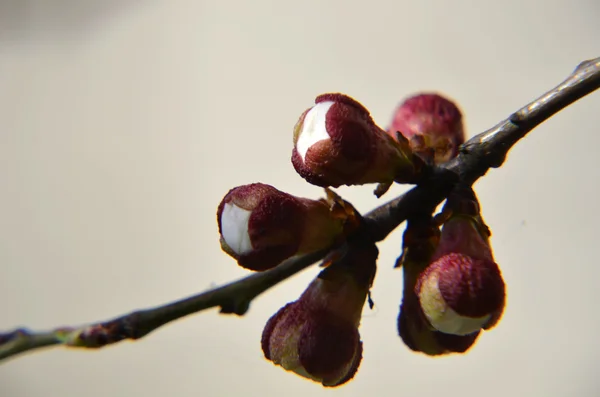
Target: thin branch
<point>233,298</point>
<point>479,154</point>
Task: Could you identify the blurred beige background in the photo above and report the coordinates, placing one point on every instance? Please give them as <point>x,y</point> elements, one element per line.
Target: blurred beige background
<point>123,123</point>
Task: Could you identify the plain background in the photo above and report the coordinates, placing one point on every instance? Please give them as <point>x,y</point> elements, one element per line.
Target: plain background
<point>123,123</point>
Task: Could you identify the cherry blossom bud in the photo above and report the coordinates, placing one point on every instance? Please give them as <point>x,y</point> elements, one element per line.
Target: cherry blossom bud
<point>261,226</point>
<point>336,142</point>
<point>420,240</point>
<point>460,295</point>
<point>432,124</point>
<point>462,290</point>
<point>317,336</point>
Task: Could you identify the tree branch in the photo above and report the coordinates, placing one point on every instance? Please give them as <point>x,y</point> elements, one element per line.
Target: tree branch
<point>479,154</point>
<point>233,298</point>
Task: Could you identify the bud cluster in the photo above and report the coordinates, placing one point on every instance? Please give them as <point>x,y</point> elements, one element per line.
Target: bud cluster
<point>453,289</point>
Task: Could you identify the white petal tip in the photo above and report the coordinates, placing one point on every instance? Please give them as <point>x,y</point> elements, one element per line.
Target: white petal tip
<point>453,323</point>
<point>234,228</point>
<point>313,127</point>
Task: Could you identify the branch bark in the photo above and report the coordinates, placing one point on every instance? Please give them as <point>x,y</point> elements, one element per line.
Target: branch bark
<point>479,154</point>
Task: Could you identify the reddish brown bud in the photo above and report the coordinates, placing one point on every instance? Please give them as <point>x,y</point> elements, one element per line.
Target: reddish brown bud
<point>336,142</point>
<point>462,290</point>
<point>261,226</point>
<point>432,124</point>
<point>460,295</point>
<point>313,343</point>
<point>317,336</point>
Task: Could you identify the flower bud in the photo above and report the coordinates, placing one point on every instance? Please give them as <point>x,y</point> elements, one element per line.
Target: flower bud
<point>317,336</point>
<point>462,290</point>
<point>261,226</point>
<point>460,295</point>
<point>432,124</point>
<point>336,142</point>
<point>420,240</point>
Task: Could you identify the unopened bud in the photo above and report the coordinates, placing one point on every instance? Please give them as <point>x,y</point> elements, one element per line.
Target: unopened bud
<point>261,226</point>
<point>432,124</point>
<point>317,336</point>
<point>462,290</point>
<point>336,142</point>
<point>459,294</point>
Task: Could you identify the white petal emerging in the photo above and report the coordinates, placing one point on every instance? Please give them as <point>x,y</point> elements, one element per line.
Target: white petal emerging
<point>313,127</point>
<point>234,227</point>
<point>441,316</point>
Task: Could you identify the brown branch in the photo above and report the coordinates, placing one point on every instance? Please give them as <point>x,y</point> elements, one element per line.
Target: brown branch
<point>234,298</point>
<point>482,152</point>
